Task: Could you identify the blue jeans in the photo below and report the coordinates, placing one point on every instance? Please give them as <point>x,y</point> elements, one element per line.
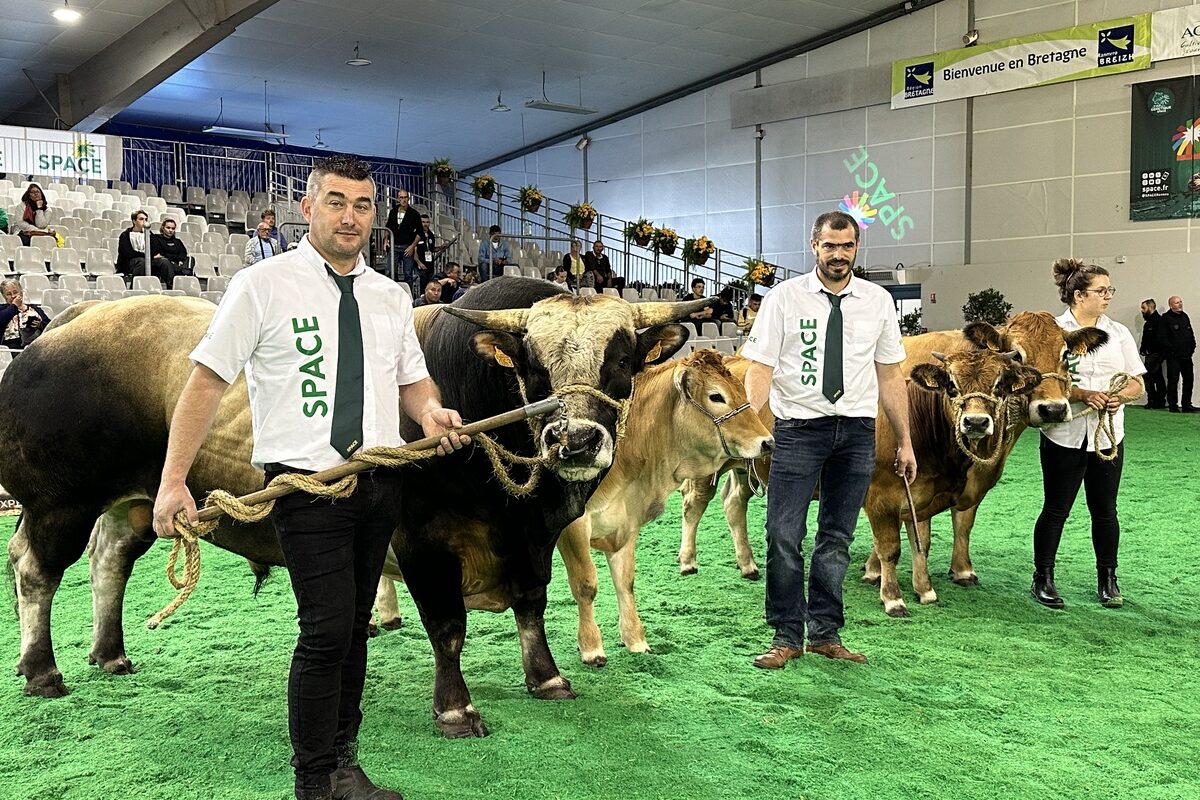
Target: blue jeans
<point>409,265</point>
<point>484,271</point>
<point>840,451</point>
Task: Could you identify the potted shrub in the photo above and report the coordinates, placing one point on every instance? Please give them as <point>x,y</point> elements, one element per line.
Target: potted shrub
<point>484,186</point>
<point>987,306</point>
<point>580,215</point>
<point>759,272</point>
<point>442,171</point>
<point>639,232</point>
<point>665,240</point>
<point>530,198</point>
<point>696,251</point>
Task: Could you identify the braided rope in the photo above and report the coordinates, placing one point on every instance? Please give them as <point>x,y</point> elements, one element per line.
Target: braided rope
<point>1002,427</point>
<point>1106,423</point>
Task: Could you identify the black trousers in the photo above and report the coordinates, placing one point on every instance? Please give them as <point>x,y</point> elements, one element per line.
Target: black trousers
<point>1063,470</point>
<point>1176,368</point>
<point>334,551</point>
<point>1156,384</point>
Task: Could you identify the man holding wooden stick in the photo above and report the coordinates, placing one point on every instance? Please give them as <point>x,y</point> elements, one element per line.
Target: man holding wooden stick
<point>300,327</point>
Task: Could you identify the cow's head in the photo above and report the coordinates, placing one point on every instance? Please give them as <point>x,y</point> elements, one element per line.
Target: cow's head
<point>967,372</point>
<point>564,342</point>
<point>1040,343</point>
<point>720,417</point>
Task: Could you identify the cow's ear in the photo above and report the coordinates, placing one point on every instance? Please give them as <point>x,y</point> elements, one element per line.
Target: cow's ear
<point>497,347</point>
<point>1085,340</point>
<point>983,336</point>
<point>930,377</point>
<point>655,345</point>
<point>1018,379</point>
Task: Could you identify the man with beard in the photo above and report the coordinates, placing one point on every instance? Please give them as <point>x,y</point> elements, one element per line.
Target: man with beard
<point>1179,342</point>
<point>826,353</point>
<point>1151,351</point>
<point>326,345</point>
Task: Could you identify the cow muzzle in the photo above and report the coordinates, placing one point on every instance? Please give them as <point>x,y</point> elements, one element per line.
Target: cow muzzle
<point>976,426</point>
<point>1049,412</point>
<point>581,452</point>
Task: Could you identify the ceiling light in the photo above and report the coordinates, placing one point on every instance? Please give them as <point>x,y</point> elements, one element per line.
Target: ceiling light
<point>320,145</point>
<point>500,107</point>
<point>246,133</point>
<point>66,13</point>
<point>549,105</point>
<point>582,144</point>
<point>358,61</point>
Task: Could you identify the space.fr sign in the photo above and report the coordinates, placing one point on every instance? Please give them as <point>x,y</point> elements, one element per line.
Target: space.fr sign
<point>57,154</point>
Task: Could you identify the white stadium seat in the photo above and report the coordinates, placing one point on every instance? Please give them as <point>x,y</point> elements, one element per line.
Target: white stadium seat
<point>148,283</point>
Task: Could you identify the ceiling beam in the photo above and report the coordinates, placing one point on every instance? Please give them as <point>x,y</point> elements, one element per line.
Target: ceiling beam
<point>156,49</point>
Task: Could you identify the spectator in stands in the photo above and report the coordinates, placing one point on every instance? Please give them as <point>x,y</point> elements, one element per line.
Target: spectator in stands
<point>168,254</point>
<point>559,276</point>
<point>405,224</point>
<point>577,272</point>
<point>261,245</point>
<point>35,216</point>
<point>451,281</point>
<point>723,310</point>
<point>131,247</point>
<point>433,292</point>
<point>427,251</point>
<point>746,318</point>
<point>268,216</point>
<point>21,322</point>
<point>600,269</point>
<point>494,255</point>
<point>705,314</point>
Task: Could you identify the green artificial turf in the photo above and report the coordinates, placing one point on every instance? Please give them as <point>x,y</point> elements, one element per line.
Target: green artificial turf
<point>985,695</point>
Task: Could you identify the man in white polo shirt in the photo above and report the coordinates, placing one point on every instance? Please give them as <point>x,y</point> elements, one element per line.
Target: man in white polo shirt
<point>301,327</point>
<point>826,354</point>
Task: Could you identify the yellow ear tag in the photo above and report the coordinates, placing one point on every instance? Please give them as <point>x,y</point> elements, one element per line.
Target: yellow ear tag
<point>654,353</point>
<point>502,358</point>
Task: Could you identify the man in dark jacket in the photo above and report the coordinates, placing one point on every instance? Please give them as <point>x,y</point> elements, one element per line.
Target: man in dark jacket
<point>1151,350</point>
<point>131,247</point>
<point>1178,343</point>
<point>405,224</point>
<point>168,254</point>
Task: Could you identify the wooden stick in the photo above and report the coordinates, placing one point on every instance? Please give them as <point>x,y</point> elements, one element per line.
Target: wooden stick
<point>537,409</point>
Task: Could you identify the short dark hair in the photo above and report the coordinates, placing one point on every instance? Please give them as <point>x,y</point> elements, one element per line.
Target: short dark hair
<point>559,268</point>
<point>344,166</point>
<point>493,229</point>
<point>1072,275</point>
<point>756,296</point>
<point>266,212</point>
<point>141,212</point>
<point>697,280</point>
<point>425,216</point>
<point>836,220</point>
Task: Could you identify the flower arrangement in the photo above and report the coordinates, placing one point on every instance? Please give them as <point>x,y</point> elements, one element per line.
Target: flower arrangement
<point>759,273</point>
<point>442,169</point>
<point>530,198</point>
<point>697,251</point>
<point>665,240</point>
<point>580,215</point>
<point>484,186</point>
<point>639,232</point>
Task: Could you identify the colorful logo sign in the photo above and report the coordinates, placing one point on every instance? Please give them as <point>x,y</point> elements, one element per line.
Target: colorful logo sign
<point>1114,45</point>
<point>1184,141</point>
<point>918,80</point>
<point>875,197</point>
<point>858,206</point>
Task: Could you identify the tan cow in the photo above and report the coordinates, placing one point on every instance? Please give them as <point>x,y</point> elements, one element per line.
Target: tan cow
<point>687,418</point>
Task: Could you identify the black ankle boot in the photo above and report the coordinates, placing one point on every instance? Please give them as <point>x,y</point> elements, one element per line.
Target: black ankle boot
<point>351,783</point>
<point>1044,590</point>
<point>319,793</point>
<point>1107,589</point>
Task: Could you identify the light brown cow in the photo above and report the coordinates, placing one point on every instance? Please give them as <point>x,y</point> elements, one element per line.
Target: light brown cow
<point>687,418</point>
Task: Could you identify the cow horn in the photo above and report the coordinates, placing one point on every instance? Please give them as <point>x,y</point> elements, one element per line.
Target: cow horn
<point>1011,355</point>
<point>647,314</point>
<point>938,356</point>
<point>511,320</point>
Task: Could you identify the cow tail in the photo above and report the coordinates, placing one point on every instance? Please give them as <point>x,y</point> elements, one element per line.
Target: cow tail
<point>261,573</point>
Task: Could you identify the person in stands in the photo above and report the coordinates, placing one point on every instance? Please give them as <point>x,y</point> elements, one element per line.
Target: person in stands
<point>35,216</point>
<point>20,322</point>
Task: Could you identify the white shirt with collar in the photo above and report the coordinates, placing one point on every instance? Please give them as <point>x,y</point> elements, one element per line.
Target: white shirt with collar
<point>1093,372</point>
<point>279,320</point>
<point>789,335</point>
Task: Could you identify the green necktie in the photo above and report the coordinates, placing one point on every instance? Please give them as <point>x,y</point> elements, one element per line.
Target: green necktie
<point>346,430</point>
<point>831,381</point>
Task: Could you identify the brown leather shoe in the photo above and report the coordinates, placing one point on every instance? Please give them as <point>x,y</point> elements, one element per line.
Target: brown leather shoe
<point>777,656</point>
<point>836,650</point>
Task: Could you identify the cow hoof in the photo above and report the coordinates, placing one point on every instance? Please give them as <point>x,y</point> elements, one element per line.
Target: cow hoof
<point>557,688</point>
<point>637,647</point>
<point>392,624</point>
<point>688,570</point>
<point>896,610</point>
<point>872,579</point>
<point>596,660</point>
<point>121,665</point>
<point>751,575</point>
<point>461,723</point>
<point>929,598</point>
<point>967,580</point>
<point>372,630</point>
<point>49,686</point>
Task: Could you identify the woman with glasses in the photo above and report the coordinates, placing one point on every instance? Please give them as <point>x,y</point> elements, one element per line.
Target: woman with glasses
<point>1070,453</point>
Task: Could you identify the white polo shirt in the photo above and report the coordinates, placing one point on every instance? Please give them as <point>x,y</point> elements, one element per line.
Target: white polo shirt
<point>279,320</point>
<point>1093,372</point>
<point>789,335</point>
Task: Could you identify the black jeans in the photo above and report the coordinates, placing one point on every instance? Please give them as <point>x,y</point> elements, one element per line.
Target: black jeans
<point>1177,367</point>
<point>334,551</point>
<point>1063,469</point>
<point>1156,385</point>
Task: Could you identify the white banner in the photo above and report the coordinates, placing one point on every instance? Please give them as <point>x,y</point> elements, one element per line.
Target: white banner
<point>60,154</point>
<point>1175,33</point>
